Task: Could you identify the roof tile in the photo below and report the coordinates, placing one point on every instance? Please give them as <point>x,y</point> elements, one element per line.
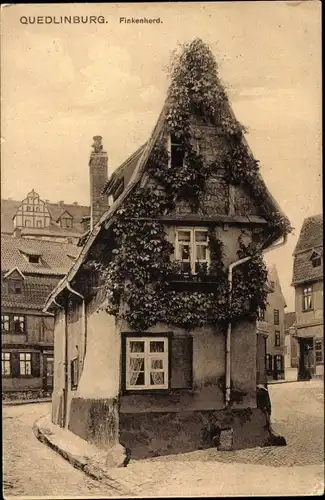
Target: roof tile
<point>55,258</point>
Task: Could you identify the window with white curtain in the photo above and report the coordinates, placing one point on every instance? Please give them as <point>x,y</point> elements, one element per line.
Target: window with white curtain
<point>192,248</point>
<point>146,363</point>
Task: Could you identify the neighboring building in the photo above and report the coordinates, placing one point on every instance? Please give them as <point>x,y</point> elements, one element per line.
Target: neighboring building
<point>147,346</point>
<point>39,219</point>
<point>271,321</point>
<point>291,344</point>
<point>309,301</point>
<point>30,269</point>
<point>39,245</point>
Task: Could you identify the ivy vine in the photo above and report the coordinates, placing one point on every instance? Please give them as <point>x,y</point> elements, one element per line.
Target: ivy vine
<point>136,278</point>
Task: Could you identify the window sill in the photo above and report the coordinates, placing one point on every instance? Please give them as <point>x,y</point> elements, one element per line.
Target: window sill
<point>5,332</point>
<point>307,310</point>
<point>151,392</point>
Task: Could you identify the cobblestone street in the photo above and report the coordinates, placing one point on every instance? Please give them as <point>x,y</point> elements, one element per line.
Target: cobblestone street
<point>30,468</point>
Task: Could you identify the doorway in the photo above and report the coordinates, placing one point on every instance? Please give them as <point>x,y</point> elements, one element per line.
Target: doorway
<point>306,367</point>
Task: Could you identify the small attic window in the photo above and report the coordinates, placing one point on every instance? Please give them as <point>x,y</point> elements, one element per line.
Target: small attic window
<point>34,259</point>
<point>176,151</point>
<point>316,259</point>
<point>15,286</point>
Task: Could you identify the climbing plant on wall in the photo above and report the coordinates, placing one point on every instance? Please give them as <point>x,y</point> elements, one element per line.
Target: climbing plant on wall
<point>136,279</point>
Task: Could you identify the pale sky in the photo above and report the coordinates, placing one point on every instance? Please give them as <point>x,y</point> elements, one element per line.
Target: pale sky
<point>62,84</point>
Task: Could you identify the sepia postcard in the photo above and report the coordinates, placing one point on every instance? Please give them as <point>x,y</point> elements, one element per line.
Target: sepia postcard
<point>162,249</point>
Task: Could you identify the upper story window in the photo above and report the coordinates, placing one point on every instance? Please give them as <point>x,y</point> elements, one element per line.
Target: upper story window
<point>277,339</point>
<point>39,223</point>
<point>19,324</point>
<point>192,248</point>
<point>261,314</point>
<point>28,223</point>
<point>12,323</point>
<point>5,323</point>
<point>37,209</point>
<point>276,317</point>
<point>176,150</point>
<point>307,298</point>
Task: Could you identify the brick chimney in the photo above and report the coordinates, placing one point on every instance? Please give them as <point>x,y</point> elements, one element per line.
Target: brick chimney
<point>98,178</point>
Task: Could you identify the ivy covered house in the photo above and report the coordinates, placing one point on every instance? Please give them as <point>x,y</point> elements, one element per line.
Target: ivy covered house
<point>155,330</point>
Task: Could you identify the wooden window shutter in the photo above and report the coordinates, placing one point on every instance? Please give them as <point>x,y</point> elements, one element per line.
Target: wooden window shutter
<point>15,365</point>
<point>36,364</point>
<point>181,362</point>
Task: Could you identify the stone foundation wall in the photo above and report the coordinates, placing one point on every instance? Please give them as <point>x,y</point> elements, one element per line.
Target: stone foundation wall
<point>95,420</point>
<point>163,433</point>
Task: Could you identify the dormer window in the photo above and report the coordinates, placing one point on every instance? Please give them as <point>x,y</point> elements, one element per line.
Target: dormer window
<point>34,259</point>
<point>66,223</point>
<point>192,249</point>
<point>31,256</point>
<point>15,286</point>
<point>66,220</point>
<point>14,281</point>
<point>316,259</point>
<point>176,151</point>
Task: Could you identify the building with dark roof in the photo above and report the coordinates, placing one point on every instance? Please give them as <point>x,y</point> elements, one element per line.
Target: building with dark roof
<point>30,269</point>
<point>38,247</point>
<point>308,283</point>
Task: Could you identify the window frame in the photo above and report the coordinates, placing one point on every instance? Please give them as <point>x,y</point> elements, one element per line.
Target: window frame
<point>26,362</point>
<point>307,294</point>
<point>173,144</point>
<point>319,351</point>
<point>167,355</point>
<point>261,314</point>
<point>276,317</point>
<point>74,372</point>
<point>5,361</point>
<point>22,318</point>
<point>193,247</point>
<point>5,321</point>
<point>277,338</point>
<point>316,261</point>
<point>12,286</point>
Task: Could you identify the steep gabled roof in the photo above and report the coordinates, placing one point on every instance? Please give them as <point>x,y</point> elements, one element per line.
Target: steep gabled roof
<point>137,175</point>
<point>310,241</point>
<point>13,270</point>
<point>311,234</point>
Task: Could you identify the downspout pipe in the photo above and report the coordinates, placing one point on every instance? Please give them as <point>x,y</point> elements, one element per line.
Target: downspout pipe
<point>229,328</point>
<point>65,364</point>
